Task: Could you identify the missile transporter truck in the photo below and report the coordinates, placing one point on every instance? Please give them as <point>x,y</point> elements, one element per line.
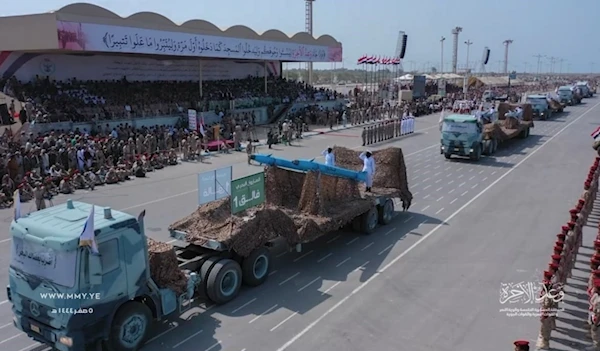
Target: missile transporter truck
<point>132,281</point>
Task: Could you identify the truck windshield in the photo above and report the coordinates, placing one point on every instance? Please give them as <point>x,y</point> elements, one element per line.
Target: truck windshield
<point>537,101</point>
<point>58,267</point>
<point>463,128</point>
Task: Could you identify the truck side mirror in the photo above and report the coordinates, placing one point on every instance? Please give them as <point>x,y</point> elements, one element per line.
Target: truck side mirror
<point>95,269</point>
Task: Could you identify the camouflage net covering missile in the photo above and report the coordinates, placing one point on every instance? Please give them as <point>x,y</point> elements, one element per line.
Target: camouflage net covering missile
<point>300,207</point>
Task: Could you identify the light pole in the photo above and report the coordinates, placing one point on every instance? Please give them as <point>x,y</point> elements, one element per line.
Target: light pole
<point>506,44</point>
<point>468,43</point>
<point>442,58</point>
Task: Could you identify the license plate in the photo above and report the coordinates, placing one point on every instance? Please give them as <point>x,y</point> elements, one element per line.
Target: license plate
<point>35,328</point>
<point>456,149</point>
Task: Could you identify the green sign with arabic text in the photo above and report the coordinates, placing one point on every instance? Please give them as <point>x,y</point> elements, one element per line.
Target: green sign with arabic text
<point>247,192</point>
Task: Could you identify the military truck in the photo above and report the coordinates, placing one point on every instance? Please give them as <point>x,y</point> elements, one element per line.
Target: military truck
<point>462,135</point>
<point>112,294</point>
<point>540,106</point>
<point>568,95</point>
<point>507,128</point>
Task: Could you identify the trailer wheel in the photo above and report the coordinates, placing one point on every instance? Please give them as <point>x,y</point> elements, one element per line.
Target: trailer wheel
<point>476,154</point>
<point>448,156</point>
<point>224,281</point>
<point>130,327</point>
<point>369,221</point>
<point>205,269</point>
<point>386,212</point>
<point>255,267</point>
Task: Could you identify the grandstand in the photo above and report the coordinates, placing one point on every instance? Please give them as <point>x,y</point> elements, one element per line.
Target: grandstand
<point>83,64</point>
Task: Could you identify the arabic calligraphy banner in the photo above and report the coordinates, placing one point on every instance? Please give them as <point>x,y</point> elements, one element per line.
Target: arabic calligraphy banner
<point>25,67</point>
<point>214,185</point>
<point>103,38</point>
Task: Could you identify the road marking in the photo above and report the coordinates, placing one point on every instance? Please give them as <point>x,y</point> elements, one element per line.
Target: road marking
<point>465,193</point>
<point>481,171</point>
<point>5,240</point>
<point>407,220</point>
<point>334,239</point>
<point>290,278</point>
<point>214,345</point>
<point>441,197</point>
<point>161,334</point>
<point>450,182</point>
<point>331,287</point>
<point>352,241</point>
<point>283,321</point>
<point>390,231</point>
<point>6,325</point>
<point>344,261</point>
<point>484,179</point>
<point>386,249</point>
<point>461,184</point>
<point>460,169</point>
<point>270,274</point>
<point>244,305</point>
<point>424,237</point>
<point>34,345</point>
<point>360,267</point>
<point>427,187</point>
<point>424,198</point>
<point>437,174</point>
<point>473,177</point>
<point>451,191</point>
<point>262,314</point>
<point>282,254</point>
<point>309,284</point>
<point>187,339</point>
<point>440,210</point>
<point>453,201</point>
<point>437,181</point>
<point>425,208</point>
<point>494,172</point>
<point>301,257</point>
<point>474,186</point>
<point>324,258</point>
<point>366,247</point>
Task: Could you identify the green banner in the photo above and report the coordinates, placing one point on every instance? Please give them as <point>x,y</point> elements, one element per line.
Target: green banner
<point>247,192</point>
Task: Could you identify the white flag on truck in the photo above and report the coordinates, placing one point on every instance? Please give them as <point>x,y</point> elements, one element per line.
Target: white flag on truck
<point>17,200</point>
<point>87,237</point>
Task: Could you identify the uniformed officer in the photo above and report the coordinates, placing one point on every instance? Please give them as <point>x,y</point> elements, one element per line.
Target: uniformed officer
<point>363,135</point>
<point>369,135</point>
<point>594,319</point>
<point>543,340</point>
<point>379,132</point>
<point>389,130</point>
<point>374,134</point>
<point>521,345</point>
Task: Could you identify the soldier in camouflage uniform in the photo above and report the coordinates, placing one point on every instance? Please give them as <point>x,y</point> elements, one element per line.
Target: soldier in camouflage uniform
<point>543,341</point>
<point>594,319</point>
<point>370,135</point>
<point>363,135</point>
<point>379,132</point>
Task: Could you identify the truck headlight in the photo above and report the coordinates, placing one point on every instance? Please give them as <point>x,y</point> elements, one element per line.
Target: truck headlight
<point>65,340</point>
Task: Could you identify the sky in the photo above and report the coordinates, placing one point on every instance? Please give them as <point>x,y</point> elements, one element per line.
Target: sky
<point>556,29</point>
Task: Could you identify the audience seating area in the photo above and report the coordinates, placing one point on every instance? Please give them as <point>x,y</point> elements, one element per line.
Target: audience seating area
<point>82,101</point>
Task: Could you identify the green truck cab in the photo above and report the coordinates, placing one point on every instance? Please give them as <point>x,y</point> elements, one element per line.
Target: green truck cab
<point>462,135</point>
<point>65,296</point>
<point>540,106</point>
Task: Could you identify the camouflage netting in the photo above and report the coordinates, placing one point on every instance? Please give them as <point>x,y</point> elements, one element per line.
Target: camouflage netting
<point>243,232</point>
<point>555,105</point>
<point>300,207</point>
<point>390,170</point>
<point>164,267</point>
<point>504,107</point>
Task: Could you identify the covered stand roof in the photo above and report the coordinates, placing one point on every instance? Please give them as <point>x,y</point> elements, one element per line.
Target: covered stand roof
<point>38,32</point>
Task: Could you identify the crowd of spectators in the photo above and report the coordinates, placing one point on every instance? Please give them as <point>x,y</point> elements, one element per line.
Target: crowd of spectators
<point>81,101</point>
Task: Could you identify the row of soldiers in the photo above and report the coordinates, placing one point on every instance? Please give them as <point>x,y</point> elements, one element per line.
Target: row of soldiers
<point>388,130</point>
<point>566,248</point>
<point>360,115</point>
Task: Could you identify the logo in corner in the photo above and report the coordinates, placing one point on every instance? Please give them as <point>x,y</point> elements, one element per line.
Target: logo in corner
<point>47,67</point>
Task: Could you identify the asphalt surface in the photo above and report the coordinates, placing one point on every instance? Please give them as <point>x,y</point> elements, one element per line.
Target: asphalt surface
<point>430,280</point>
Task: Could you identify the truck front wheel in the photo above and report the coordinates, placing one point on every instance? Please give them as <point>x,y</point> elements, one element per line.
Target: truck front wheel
<point>224,281</point>
<point>255,267</point>
<point>386,212</point>
<point>130,327</point>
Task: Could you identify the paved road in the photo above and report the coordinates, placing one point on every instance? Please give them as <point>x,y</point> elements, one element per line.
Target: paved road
<point>440,265</point>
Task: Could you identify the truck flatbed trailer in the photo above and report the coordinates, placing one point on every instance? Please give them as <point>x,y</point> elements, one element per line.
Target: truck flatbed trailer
<point>506,128</point>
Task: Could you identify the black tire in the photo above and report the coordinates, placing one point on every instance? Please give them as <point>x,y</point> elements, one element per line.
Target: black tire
<point>369,221</point>
<point>494,145</point>
<point>448,156</point>
<point>205,271</point>
<point>386,212</point>
<point>256,267</point>
<point>476,154</point>
<point>130,316</point>
<point>224,281</point>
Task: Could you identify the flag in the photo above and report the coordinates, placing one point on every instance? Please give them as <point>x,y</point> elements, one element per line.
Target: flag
<point>88,237</point>
<point>370,60</point>
<point>17,200</point>
<point>362,60</point>
<point>596,133</point>
<point>377,60</point>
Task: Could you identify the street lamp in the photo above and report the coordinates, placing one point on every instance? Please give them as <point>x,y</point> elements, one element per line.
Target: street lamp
<point>468,43</point>
<point>442,58</point>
